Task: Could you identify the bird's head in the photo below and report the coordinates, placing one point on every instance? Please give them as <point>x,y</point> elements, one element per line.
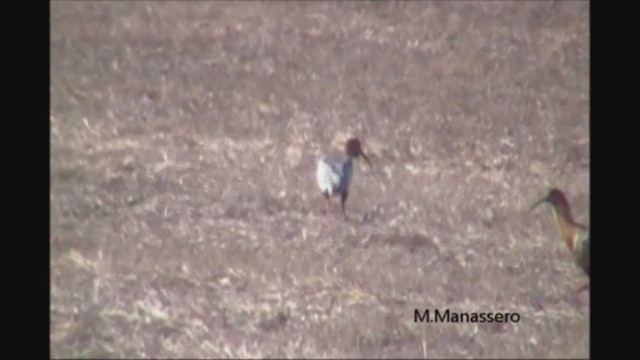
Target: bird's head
<point>354,148</point>
<point>555,197</point>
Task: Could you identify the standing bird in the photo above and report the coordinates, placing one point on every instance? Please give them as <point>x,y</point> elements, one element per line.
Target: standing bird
<point>574,234</point>
<point>334,173</point>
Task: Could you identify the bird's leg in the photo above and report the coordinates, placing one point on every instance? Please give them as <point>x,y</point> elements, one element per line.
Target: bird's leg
<point>343,200</point>
<point>328,199</point>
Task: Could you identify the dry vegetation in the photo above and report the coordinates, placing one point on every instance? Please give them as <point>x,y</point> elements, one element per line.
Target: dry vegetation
<point>186,221</point>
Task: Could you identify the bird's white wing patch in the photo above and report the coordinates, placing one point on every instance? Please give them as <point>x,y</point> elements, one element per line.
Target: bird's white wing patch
<point>327,177</point>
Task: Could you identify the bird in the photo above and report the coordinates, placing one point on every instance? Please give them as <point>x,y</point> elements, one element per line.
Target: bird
<point>335,171</point>
<point>575,235</point>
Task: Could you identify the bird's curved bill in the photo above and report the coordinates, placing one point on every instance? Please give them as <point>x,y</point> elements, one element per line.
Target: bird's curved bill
<point>367,159</point>
<point>537,203</point>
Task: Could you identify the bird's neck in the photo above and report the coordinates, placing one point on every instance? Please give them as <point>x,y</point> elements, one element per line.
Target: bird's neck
<point>568,228</point>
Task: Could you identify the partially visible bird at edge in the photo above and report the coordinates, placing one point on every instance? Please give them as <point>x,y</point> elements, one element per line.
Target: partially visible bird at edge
<point>575,235</point>
<point>335,172</point>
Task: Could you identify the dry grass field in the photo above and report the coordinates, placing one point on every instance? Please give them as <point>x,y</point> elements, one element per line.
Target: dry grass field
<point>185,217</point>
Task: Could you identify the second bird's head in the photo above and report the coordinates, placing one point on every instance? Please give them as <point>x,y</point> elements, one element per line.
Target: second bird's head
<point>354,148</point>
<point>555,197</point>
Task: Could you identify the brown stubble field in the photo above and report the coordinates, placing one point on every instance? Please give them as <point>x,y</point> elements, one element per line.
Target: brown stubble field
<point>185,218</point>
